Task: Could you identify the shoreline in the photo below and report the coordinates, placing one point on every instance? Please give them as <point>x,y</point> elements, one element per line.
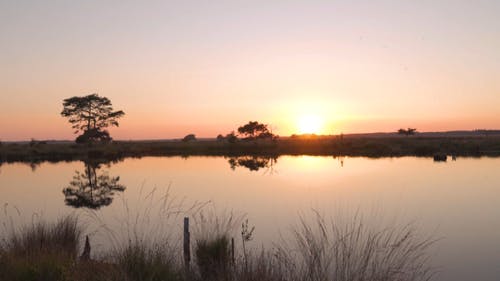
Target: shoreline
<point>390,146</point>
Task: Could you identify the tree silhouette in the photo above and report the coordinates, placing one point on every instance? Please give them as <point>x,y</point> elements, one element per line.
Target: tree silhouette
<point>407,132</point>
<point>91,189</point>
<point>90,115</point>
<point>231,137</point>
<point>253,130</point>
<point>253,163</point>
<point>188,138</point>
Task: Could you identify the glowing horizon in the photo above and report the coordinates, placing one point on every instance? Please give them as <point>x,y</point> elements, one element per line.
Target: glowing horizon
<point>181,67</point>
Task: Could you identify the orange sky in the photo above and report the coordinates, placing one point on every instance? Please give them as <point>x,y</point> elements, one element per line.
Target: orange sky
<point>179,67</point>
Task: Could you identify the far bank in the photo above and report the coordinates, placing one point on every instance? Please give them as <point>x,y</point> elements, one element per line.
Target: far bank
<point>354,145</point>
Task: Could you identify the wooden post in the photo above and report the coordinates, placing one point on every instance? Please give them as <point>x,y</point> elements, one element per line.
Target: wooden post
<point>86,250</point>
<point>232,251</point>
<point>187,241</point>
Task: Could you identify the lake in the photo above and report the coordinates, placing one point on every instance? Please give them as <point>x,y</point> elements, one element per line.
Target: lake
<point>457,202</point>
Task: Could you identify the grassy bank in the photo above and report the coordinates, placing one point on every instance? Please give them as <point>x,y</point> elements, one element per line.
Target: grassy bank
<point>336,146</point>
<point>316,251</point>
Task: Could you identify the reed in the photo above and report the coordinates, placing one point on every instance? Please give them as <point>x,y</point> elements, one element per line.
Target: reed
<point>314,250</point>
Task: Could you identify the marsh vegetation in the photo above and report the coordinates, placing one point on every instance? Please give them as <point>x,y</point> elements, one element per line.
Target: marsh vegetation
<point>316,250</point>
<point>333,145</point>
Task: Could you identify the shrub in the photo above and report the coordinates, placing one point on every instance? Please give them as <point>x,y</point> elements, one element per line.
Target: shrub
<point>231,137</point>
<point>94,135</point>
<point>190,137</point>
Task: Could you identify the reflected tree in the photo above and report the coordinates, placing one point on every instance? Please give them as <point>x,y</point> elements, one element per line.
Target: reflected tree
<point>253,163</point>
<point>92,188</point>
<point>341,160</point>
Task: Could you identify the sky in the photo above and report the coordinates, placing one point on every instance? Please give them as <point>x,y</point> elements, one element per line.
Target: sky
<point>207,67</point>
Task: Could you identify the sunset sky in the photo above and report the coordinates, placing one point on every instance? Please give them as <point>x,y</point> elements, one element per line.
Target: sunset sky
<point>206,67</point>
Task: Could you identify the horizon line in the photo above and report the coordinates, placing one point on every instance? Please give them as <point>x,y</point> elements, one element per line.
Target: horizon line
<point>477,131</point>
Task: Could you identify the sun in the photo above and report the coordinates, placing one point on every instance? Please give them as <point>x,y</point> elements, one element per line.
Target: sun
<point>310,124</point>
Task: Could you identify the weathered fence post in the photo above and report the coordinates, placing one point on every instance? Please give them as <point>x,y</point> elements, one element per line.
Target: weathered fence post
<point>232,250</point>
<point>86,250</point>
<point>187,241</point>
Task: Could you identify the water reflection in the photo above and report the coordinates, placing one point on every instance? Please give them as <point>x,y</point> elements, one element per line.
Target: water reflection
<point>253,163</point>
<point>93,188</point>
<point>34,165</point>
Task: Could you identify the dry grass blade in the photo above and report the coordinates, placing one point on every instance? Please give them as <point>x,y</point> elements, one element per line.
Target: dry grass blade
<point>353,251</point>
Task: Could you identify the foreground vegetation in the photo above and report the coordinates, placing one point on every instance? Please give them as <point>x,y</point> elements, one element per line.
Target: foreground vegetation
<point>317,250</point>
<point>337,146</point>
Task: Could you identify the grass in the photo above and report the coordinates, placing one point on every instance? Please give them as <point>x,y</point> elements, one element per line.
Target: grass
<point>260,266</point>
<point>147,262</point>
<point>324,251</point>
<point>40,251</point>
<point>346,146</point>
<point>316,250</point>
<point>39,237</point>
<point>212,233</point>
<point>213,257</point>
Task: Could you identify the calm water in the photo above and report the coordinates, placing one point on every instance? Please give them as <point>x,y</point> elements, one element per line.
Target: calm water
<point>458,201</point>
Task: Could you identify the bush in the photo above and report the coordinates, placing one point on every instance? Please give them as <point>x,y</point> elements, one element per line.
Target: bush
<point>190,137</point>
<point>94,135</point>
<point>231,137</point>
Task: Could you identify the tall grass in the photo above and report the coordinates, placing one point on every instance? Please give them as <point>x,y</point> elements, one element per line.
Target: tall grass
<point>320,250</point>
<point>147,262</point>
<point>315,249</point>
<point>41,236</point>
<point>213,232</point>
<point>263,265</point>
<point>324,250</point>
<point>144,238</point>
<point>40,251</point>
